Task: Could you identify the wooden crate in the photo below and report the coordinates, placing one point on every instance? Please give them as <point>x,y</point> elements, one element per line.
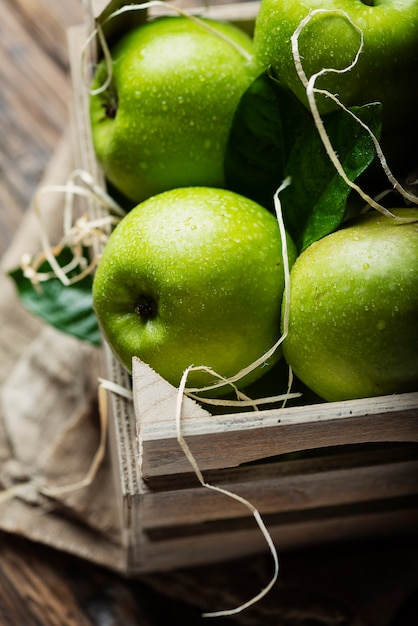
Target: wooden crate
<point>317,473</point>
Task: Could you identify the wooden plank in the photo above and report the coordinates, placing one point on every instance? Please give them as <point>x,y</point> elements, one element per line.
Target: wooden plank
<point>160,554</point>
<point>33,101</point>
<point>82,140</point>
<point>232,439</point>
<point>46,21</point>
<point>308,486</point>
<point>44,587</point>
<point>100,9</point>
<point>101,12</point>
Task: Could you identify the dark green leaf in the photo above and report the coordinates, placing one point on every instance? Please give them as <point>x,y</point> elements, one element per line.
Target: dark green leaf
<point>315,203</point>
<point>67,308</point>
<point>267,122</point>
<point>273,136</point>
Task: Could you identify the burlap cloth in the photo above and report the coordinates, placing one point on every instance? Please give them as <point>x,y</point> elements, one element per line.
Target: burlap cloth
<point>49,433</point>
<point>49,430</point>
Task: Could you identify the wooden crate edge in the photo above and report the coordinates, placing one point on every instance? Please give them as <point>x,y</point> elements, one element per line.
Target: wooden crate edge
<point>232,439</point>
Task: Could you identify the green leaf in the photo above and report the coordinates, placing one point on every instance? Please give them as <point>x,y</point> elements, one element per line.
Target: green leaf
<point>66,307</point>
<point>315,203</point>
<point>267,122</point>
<point>274,136</point>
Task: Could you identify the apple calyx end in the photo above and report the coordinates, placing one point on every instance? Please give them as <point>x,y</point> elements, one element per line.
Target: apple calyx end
<point>146,308</point>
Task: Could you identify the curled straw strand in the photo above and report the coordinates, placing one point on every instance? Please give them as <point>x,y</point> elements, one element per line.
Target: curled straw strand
<point>311,90</point>
<point>75,236</point>
<point>107,385</point>
<point>229,494</point>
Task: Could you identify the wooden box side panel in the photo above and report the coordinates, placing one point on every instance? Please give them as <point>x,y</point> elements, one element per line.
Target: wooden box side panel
<point>232,439</point>
<point>306,487</point>
<point>246,10</point>
<point>218,545</point>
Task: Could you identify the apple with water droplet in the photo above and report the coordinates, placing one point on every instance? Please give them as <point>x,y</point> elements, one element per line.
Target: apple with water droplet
<point>353,325</point>
<point>386,71</point>
<point>163,121</point>
<point>193,276</point>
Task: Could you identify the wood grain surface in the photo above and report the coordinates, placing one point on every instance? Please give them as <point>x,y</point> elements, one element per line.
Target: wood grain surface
<point>369,585</point>
<point>34,95</point>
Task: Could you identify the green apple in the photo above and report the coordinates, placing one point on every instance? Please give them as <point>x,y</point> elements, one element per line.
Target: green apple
<point>193,276</point>
<point>386,71</point>
<point>163,122</point>
<point>353,326</point>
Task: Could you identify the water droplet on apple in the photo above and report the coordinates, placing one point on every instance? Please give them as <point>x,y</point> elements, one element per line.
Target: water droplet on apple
<point>366,266</point>
<point>381,325</point>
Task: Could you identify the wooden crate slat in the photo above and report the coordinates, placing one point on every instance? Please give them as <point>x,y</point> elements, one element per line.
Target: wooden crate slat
<point>100,9</point>
<point>232,439</point>
<point>271,493</point>
<point>216,547</point>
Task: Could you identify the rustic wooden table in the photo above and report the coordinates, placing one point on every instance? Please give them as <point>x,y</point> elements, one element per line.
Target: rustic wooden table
<point>39,586</point>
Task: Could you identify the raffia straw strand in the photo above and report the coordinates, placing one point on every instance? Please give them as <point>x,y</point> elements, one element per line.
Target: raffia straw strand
<point>242,397</point>
<point>244,403</point>
<point>286,267</point>
<point>230,494</point>
<point>289,395</point>
<point>115,388</point>
<point>45,243</point>
<point>82,233</point>
<point>14,491</point>
<point>98,191</point>
<point>373,202</point>
<point>309,85</point>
